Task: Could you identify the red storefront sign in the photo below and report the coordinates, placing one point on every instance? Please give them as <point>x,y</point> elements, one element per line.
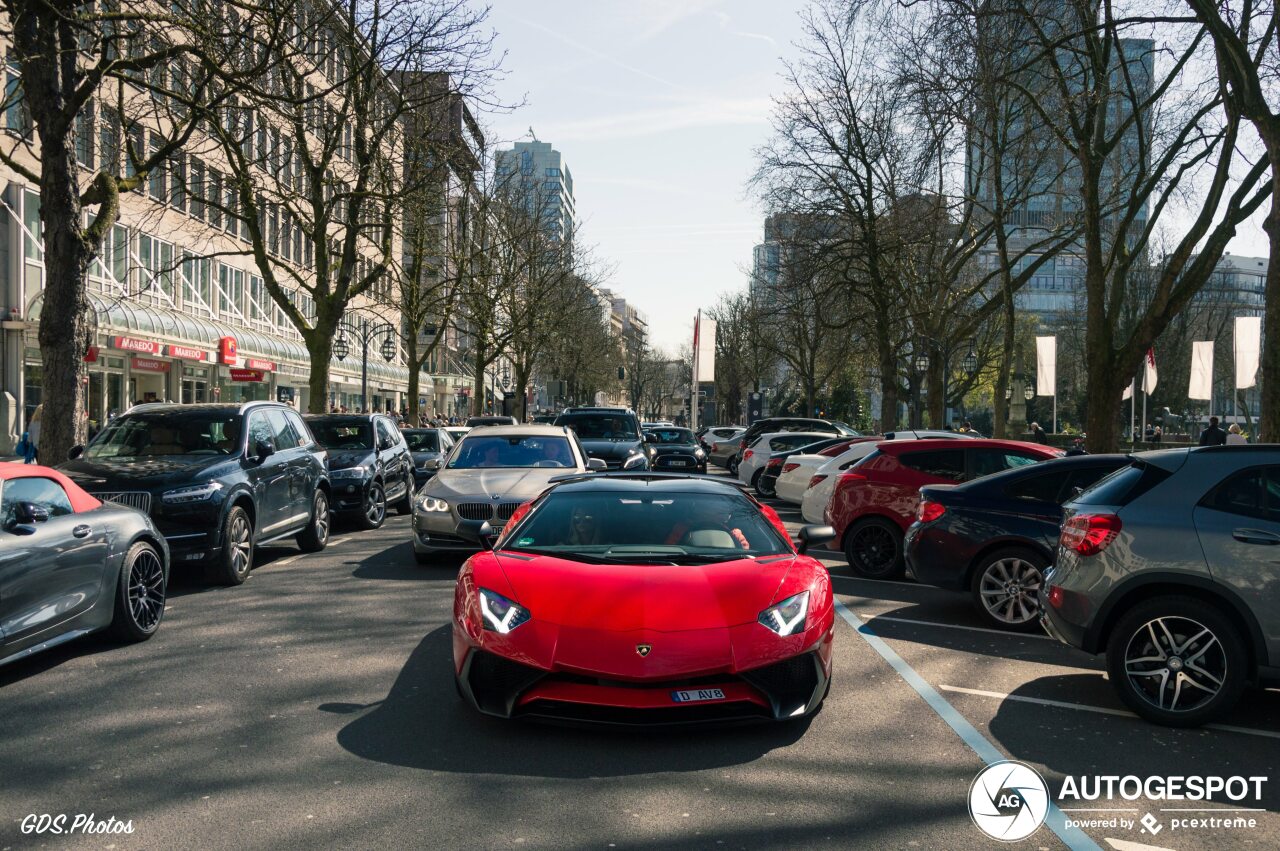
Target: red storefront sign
<point>264,365</point>
<point>131,344</point>
<point>247,375</point>
<point>187,353</point>
<point>227,350</point>
<point>149,365</point>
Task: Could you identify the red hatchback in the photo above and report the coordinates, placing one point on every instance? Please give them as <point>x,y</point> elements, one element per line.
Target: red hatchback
<point>876,500</point>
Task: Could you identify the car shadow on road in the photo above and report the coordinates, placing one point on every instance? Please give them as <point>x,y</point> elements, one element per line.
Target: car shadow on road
<point>422,724</point>
<point>1074,741</point>
<point>187,578</point>
<point>397,563</point>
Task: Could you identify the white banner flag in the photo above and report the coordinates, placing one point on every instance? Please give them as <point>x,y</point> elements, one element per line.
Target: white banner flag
<point>1201,383</point>
<point>1046,366</point>
<point>1149,375</point>
<point>707,350</point>
<point>1248,349</point>
<point>1128,392</point>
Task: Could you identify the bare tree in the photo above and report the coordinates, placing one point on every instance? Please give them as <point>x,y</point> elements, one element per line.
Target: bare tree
<point>1246,39</point>
<point>121,72</point>
<point>316,151</point>
<point>1119,92</point>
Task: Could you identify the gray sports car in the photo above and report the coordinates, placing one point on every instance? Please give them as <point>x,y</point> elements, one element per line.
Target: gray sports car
<point>71,565</point>
<point>487,476</point>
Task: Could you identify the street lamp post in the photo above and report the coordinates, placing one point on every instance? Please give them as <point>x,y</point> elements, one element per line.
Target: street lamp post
<point>365,334</point>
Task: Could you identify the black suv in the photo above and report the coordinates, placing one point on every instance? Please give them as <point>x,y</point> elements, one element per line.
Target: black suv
<point>369,465</point>
<point>217,479</point>
<point>611,434</point>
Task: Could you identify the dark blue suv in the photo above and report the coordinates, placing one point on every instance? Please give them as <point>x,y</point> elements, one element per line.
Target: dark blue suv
<point>217,479</point>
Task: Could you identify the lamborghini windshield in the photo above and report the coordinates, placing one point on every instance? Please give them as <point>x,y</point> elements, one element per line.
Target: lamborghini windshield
<point>643,526</point>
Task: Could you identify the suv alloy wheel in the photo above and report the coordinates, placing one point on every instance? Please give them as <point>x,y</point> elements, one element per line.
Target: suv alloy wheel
<point>374,510</point>
<point>233,563</point>
<point>315,537</point>
<point>1177,661</point>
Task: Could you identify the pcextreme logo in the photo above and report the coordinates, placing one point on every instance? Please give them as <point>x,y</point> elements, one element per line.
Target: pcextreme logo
<point>1008,800</point>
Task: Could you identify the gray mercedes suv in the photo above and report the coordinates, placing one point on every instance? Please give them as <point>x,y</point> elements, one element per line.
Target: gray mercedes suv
<point>1171,567</point>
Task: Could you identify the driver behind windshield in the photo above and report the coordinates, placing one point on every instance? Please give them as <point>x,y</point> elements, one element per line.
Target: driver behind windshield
<point>708,523</point>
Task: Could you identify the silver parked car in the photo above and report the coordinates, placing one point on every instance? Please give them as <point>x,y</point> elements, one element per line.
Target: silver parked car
<point>490,473</point>
<point>1171,567</point>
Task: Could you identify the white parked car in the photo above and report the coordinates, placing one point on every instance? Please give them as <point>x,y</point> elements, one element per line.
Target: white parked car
<point>724,447</point>
<point>822,480</point>
<point>755,456</point>
<point>799,469</point>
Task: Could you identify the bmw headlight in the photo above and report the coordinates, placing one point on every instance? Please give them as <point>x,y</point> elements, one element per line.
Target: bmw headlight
<point>500,614</point>
<point>431,504</point>
<point>699,454</point>
<point>787,617</point>
<point>194,493</point>
<point>349,473</point>
<point>634,461</point>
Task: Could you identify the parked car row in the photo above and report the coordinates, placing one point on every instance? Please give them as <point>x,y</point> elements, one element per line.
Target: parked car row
<point>1159,561</point>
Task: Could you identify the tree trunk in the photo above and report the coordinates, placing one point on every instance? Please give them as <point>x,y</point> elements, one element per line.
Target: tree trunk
<point>320,349</point>
<point>65,326</point>
<point>521,377</point>
<point>1269,412</point>
<point>888,385</point>
<point>411,360</point>
<point>1000,413</point>
<point>42,36</point>
<point>935,381</point>
<point>477,385</point>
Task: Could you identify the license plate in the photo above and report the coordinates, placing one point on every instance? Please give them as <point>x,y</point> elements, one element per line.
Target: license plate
<point>678,463</point>
<point>697,695</point>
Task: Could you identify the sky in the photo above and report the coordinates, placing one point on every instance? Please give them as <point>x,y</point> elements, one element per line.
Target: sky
<point>657,107</point>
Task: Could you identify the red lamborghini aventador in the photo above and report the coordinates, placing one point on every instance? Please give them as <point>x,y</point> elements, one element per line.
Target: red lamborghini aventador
<point>644,599</point>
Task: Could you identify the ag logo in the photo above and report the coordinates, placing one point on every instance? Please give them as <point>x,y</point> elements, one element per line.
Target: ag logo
<point>1008,801</point>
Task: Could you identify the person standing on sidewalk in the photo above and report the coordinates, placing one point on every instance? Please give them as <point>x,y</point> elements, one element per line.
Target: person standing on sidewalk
<point>1213,435</point>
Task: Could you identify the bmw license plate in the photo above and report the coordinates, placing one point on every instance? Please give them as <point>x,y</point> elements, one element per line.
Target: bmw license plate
<point>697,695</point>
<point>678,463</point>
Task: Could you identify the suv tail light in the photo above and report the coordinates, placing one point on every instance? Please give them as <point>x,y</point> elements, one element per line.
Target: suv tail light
<point>774,462</point>
<point>748,454</point>
<point>789,466</point>
<point>1090,534</point>
<point>813,482</point>
<point>742,444</point>
<point>928,510</point>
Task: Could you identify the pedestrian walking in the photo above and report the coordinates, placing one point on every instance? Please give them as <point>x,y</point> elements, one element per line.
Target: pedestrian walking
<point>1213,435</point>
<point>1156,435</point>
<point>26,449</point>
<point>1235,437</point>
<point>1038,435</point>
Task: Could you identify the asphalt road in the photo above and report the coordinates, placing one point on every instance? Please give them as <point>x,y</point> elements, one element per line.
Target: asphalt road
<point>314,707</point>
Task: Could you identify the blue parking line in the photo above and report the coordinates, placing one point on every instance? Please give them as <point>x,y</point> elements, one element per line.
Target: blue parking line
<point>1073,837</point>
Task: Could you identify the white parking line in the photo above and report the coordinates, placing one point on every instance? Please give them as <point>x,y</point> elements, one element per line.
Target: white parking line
<point>1071,836</point>
<point>1101,710</point>
<point>1126,845</point>
<point>1003,632</point>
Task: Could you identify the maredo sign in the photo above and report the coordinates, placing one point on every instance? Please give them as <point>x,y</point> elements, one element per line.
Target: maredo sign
<point>131,344</point>
<point>227,351</point>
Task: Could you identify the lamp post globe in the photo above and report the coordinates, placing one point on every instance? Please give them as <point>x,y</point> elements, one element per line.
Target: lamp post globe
<point>1029,393</point>
<point>970,363</point>
<point>341,349</point>
<point>388,349</point>
<point>922,362</point>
